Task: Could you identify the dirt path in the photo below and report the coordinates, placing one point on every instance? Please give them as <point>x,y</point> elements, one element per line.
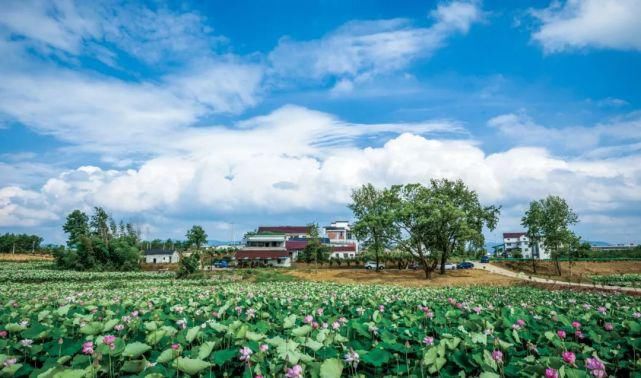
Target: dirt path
<point>522,276</point>
<point>467,277</point>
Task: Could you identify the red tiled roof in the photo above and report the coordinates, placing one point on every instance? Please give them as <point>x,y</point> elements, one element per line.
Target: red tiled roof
<point>285,229</point>
<point>254,254</point>
<point>344,248</point>
<point>510,235</point>
<point>294,245</point>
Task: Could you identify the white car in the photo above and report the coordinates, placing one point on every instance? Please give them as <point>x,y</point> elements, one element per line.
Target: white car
<point>450,266</point>
<point>371,265</point>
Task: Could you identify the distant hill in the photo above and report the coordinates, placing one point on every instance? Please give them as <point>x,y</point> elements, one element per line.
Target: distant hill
<point>598,243</point>
<point>490,244</point>
<point>216,243</point>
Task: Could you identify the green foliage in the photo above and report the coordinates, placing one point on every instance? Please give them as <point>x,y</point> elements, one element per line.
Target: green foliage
<point>549,220</point>
<point>188,265</point>
<point>20,243</point>
<point>96,246</point>
<point>196,236</point>
<point>168,329</point>
<point>315,251</point>
<point>430,223</point>
<point>374,225</point>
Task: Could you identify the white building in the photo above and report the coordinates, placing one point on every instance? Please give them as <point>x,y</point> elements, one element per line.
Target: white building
<point>264,250</point>
<point>514,240</point>
<point>341,240</point>
<point>161,256</point>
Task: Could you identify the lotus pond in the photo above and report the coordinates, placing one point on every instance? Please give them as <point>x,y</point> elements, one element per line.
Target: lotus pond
<point>161,327</point>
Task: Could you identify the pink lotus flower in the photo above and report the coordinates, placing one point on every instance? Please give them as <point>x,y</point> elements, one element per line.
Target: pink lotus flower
<point>245,353</point>
<point>551,373</point>
<point>578,334</point>
<point>497,356</point>
<point>175,346</point>
<point>608,326</point>
<point>561,334</point>
<point>336,325</point>
<point>637,315</point>
<point>576,325</point>
<point>381,308</point>
<point>520,322</point>
<point>569,357</point>
<point>119,327</point>
<point>263,348</point>
<point>3,334</point>
<point>308,319</point>
<point>315,325</point>
<point>602,309</point>
<point>428,340</point>
<point>319,311</point>
<point>109,339</point>
<point>294,372</point>
<point>87,348</point>
<point>596,367</point>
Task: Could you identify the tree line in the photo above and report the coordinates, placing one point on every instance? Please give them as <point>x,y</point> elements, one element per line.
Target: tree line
<point>20,243</point>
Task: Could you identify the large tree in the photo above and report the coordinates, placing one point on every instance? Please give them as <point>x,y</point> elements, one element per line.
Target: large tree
<point>433,222</point>
<point>374,224</point>
<point>76,226</point>
<point>196,236</point>
<point>549,220</point>
<point>457,217</point>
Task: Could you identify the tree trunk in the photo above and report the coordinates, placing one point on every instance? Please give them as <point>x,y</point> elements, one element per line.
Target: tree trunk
<point>442,269</point>
<point>428,272</point>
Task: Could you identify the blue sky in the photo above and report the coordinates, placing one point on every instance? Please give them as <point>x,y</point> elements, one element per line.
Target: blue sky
<point>232,115</point>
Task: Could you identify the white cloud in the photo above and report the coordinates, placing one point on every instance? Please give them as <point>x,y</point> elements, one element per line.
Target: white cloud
<point>576,24</point>
<point>72,28</point>
<point>358,50</point>
<point>612,136</point>
<point>249,170</point>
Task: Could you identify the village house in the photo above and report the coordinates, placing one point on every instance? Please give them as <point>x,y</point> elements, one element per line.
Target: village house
<point>161,256</point>
<point>340,239</point>
<point>518,241</point>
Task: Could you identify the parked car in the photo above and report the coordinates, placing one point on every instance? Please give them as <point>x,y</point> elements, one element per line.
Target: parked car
<point>485,259</point>
<point>221,264</point>
<point>371,265</point>
<point>450,266</point>
<point>465,265</point>
<point>414,266</point>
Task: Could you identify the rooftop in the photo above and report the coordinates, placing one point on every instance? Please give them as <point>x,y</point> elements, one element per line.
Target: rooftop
<point>285,229</point>
<point>159,251</point>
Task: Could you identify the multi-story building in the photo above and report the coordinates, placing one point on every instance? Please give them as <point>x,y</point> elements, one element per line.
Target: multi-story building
<point>519,240</point>
<point>264,249</point>
<point>341,240</point>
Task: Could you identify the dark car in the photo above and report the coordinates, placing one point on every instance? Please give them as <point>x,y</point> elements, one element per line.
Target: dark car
<point>485,259</point>
<point>221,264</point>
<point>465,265</point>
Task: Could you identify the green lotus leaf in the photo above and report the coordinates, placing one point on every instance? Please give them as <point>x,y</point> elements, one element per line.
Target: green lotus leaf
<point>135,349</point>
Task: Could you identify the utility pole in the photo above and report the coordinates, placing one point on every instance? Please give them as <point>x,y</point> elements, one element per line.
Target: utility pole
<point>13,251</point>
<point>33,247</point>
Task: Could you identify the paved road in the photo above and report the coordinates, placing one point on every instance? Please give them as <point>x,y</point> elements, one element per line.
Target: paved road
<point>522,276</point>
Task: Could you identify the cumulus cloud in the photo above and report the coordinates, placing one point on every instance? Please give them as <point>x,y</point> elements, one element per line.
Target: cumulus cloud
<point>318,167</point>
<point>358,50</point>
<point>576,24</point>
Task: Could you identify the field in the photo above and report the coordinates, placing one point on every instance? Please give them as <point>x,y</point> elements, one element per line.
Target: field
<point>467,277</point>
<point>581,271</point>
<point>149,324</point>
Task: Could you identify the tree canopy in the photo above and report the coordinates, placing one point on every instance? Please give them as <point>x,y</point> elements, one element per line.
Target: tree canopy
<point>196,236</point>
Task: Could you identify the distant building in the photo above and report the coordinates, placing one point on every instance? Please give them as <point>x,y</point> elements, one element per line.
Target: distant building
<point>288,231</point>
<point>519,240</point>
<point>341,240</point>
<point>615,247</point>
<point>161,256</point>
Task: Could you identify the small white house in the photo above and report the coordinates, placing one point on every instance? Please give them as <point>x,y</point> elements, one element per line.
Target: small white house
<point>513,240</point>
<point>161,256</point>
